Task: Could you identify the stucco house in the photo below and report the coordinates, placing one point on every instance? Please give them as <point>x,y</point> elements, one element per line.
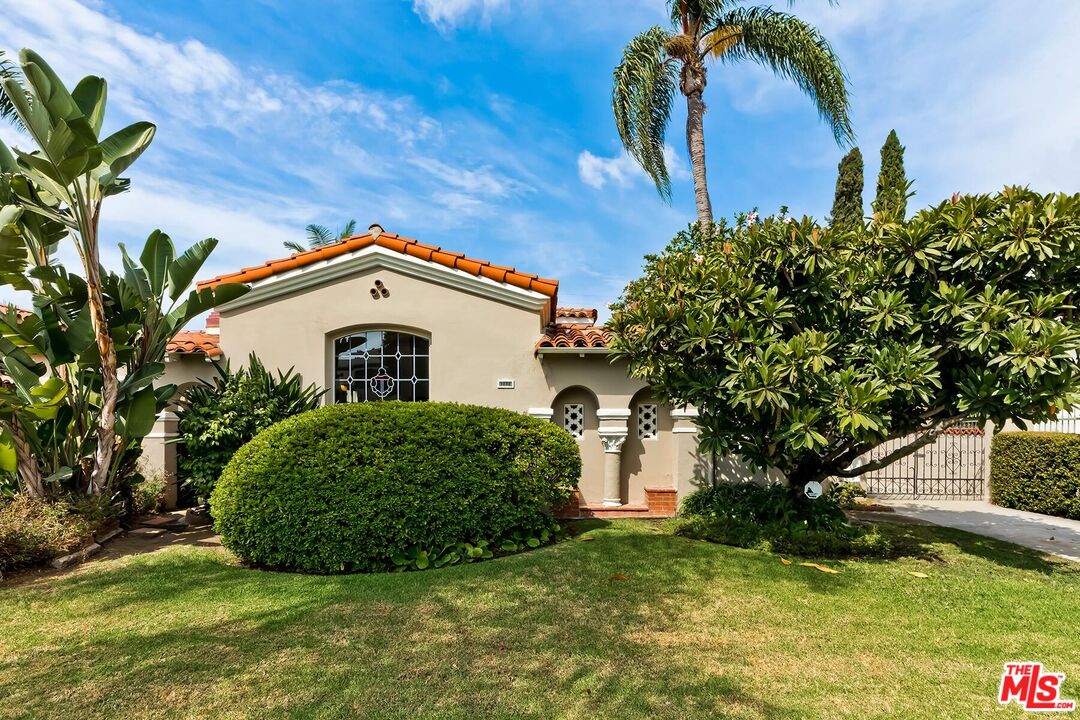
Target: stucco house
<point>378,316</point>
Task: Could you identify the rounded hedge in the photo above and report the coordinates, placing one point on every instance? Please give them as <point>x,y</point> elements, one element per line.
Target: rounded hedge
<point>348,488</point>
<point>1036,471</point>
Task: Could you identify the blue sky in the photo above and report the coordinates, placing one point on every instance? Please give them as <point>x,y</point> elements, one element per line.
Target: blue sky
<point>485,126</point>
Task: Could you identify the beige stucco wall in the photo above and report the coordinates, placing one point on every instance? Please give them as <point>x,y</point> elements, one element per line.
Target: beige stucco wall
<point>475,341</point>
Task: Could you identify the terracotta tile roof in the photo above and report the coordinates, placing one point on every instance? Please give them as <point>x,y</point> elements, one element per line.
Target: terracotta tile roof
<point>194,342</point>
<point>572,314</point>
<point>405,246</point>
<point>574,336</point>
<point>19,312</point>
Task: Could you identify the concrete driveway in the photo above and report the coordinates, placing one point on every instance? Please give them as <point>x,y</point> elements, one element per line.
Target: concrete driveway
<point>1053,535</point>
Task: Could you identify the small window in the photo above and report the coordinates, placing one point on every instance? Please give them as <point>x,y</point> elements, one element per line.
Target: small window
<point>574,419</point>
<point>646,422</point>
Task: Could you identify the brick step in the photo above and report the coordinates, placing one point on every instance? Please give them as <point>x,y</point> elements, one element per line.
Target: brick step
<point>608,512</point>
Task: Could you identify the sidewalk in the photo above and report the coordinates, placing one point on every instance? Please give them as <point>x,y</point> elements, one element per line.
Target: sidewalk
<point>1048,534</point>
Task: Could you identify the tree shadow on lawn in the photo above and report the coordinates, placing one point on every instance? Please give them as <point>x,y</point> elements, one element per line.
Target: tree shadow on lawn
<point>550,630</point>
<point>581,628</point>
<point>922,541</point>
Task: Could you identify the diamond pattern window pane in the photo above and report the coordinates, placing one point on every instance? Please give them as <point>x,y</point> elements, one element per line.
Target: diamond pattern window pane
<point>646,421</point>
<point>574,419</point>
<point>381,365</point>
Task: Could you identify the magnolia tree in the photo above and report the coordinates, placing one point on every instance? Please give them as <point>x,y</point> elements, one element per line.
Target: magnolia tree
<point>803,348</point>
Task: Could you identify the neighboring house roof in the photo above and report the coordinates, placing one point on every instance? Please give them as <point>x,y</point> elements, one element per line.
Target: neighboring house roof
<point>194,342</point>
<point>391,241</point>
<point>19,312</point>
<point>575,316</point>
<point>571,337</point>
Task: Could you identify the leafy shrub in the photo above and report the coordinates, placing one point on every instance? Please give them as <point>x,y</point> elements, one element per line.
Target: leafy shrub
<point>149,495</point>
<point>770,518</point>
<point>32,532</point>
<point>763,505</point>
<point>374,486</point>
<point>217,418</point>
<point>1036,471</point>
<point>846,495</point>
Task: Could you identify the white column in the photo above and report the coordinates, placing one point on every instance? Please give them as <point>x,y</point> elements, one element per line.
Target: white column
<point>687,466</point>
<point>159,453</point>
<point>613,431</point>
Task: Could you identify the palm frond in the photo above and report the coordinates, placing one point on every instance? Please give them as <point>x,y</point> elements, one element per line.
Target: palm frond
<point>642,95</point>
<point>319,235</point>
<point>294,246</point>
<point>697,13</point>
<point>7,108</point>
<point>792,49</point>
<point>348,230</point>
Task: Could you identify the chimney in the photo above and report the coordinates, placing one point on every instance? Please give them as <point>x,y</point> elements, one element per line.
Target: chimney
<point>213,323</point>
<point>375,229</point>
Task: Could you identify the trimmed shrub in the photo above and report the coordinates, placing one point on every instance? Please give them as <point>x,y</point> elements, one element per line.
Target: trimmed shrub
<point>217,418</point>
<point>768,518</point>
<point>1036,471</point>
<point>33,532</point>
<point>373,486</point>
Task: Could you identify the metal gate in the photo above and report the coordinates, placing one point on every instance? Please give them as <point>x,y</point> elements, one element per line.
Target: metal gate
<point>953,467</point>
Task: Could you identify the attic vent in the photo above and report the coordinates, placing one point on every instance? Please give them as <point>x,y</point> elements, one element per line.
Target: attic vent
<point>505,384</point>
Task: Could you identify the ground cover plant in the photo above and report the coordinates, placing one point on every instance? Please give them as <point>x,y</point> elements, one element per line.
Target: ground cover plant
<point>768,518</point>
<point>376,486</point>
<point>632,623</point>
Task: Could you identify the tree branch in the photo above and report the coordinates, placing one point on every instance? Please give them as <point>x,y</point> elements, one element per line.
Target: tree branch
<point>930,436</point>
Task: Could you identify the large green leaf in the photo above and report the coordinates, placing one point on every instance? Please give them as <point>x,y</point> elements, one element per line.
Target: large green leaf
<point>184,268</point>
<point>47,88</point>
<point>9,459</point>
<point>157,255</point>
<point>122,148</point>
<point>139,414</point>
<point>90,95</point>
<point>135,277</point>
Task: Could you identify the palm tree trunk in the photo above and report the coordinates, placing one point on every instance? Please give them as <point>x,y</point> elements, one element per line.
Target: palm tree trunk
<point>29,473</point>
<point>693,84</point>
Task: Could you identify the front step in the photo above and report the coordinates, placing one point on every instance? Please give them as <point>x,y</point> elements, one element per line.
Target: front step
<point>168,522</point>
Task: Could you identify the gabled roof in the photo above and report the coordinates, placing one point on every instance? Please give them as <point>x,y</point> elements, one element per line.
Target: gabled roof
<point>403,245</point>
<point>575,316</point>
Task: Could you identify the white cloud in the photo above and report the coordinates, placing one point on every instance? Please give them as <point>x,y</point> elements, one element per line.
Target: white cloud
<point>622,170</point>
<point>446,14</point>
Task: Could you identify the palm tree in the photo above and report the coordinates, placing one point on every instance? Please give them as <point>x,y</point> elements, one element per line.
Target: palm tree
<point>659,61</point>
<point>7,108</point>
<point>319,235</point>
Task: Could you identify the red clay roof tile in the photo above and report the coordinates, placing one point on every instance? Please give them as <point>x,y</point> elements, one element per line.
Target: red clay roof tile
<point>574,336</point>
<point>194,343</point>
<point>391,241</point>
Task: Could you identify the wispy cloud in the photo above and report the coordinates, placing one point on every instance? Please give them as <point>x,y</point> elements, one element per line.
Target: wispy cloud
<point>446,14</point>
<point>622,170</point>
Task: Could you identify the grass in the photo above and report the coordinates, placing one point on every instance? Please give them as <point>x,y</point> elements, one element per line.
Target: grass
<point>632,623</point>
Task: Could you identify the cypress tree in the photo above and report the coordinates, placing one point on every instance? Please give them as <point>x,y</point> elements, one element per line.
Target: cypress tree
<point>892,183</point>
<point>847,209</point>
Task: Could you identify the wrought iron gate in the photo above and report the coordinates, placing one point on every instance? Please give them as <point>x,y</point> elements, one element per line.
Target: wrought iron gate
<point>951,468</point>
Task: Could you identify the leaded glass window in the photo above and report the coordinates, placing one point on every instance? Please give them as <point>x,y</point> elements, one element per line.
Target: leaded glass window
<point>381,365</point>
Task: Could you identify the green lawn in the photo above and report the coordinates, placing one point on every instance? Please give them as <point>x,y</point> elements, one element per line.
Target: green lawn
<point>634,623</point>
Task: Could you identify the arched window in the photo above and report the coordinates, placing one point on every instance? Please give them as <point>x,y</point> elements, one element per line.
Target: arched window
<point>381,365</point>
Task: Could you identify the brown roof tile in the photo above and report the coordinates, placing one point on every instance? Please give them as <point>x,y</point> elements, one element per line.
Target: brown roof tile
<point>566,313</point>
<point>194,342</point>
<point>391,241</point>
<point>574,336</point>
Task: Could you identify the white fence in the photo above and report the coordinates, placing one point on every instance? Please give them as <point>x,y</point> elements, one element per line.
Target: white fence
<point>1063,424</point>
